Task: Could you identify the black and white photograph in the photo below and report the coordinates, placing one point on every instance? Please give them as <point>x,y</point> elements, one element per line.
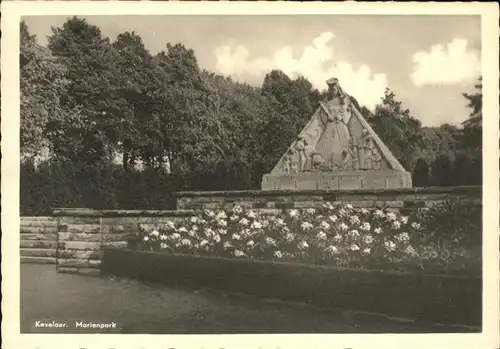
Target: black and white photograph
<point>234,173</point>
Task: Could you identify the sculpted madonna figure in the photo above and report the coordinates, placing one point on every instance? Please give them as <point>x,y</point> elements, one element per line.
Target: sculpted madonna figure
<point>335,140</point>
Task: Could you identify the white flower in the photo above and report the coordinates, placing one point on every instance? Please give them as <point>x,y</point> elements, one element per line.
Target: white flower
<point>222,223</point>
<point>379,213</point>
<point>202,221</point>
<point>192,233</point>
<point>331,249</point>
<point>222,231</point>
<point>175,236</point>
<point>194,219</point>
<point>221,215</point>
<point>146,238</point>
<point>289,237</point>
<point>217,238</point>
<point>227,245</point>
<point>210,213</point>
<point>182,230</point>
<point>354,219</point>
<point>343,226</point>
<point>303,245</point>
<point>256,225</point>
<point>337,237</point>
<point>415,225</point>
<point>163,245</point>
<point>410,250</point>
<point>270,241</point>
<point>238,253</point>
<point>155,233</point>
<point>391,216</point>
<point>237,209</point>
<point>396,224</point>
<point>209,232</point>
<point>348,206</point>
<point>321,236</point>
<point>251,214</point>
<point>377,230</point>
<point>365,226</point>
<point>354,247</point>
<point>170,224</point>
<point>244,221</point>
<point>403,237</point>
<point>185,242</point>
<point>404,220</point>
<point>265,223</point>
<point>306,225</point>
<point>368,239</point>
<point>250,243</point>
<point>233,218</point>
<point>324,225</point>
<point>390,245</point>
<point>203,242</point>
<point>342,212</point>
<point>280,221</point>
<point>333,218</point>
<point>163,237</point>
<point>354,233</point>
<point>194,228</point>
<point>311,211</point>
<point>277,254</point>
<point>364,211</point>
<point>236,237</point>
<point>367,250</point>
<point>293,213</point>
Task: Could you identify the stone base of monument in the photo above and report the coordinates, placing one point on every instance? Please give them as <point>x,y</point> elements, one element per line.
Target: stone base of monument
<point>368,179</point>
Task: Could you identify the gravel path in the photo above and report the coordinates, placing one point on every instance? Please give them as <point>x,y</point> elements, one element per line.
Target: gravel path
<point>155,309</point>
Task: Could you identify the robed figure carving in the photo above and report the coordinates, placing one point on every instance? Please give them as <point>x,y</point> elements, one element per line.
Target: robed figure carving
<point>334,144</point>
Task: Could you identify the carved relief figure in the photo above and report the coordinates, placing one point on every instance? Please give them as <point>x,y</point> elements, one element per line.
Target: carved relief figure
<point>287,164</point>
<point>305,151</point>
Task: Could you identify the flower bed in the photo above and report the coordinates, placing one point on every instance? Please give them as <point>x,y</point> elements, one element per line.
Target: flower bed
<point>333,235</point>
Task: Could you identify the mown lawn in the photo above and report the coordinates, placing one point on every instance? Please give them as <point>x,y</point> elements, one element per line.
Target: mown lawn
<point>155,309</point>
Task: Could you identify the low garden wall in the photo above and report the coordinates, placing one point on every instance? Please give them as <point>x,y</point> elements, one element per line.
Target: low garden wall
<point>38,240</point>
<point>83,233</point>
<point>395,199</point>
<point>427,298</point>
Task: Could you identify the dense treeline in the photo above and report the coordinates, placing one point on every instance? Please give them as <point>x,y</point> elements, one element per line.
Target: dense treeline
<point>118,127</point>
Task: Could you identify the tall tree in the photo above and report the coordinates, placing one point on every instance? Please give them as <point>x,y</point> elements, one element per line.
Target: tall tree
<point>472,127</point>
<point>397,128</point>
<point>42,82</point>
<point>89,59</point>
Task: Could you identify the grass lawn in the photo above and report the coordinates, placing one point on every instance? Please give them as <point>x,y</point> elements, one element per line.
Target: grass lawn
<point>154,309</point>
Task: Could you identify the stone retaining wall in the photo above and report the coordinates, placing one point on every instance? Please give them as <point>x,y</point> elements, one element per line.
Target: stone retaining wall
<point>84,233</point>
<point>75,238</point>
<point>38,240</point>
<point>394,199</point>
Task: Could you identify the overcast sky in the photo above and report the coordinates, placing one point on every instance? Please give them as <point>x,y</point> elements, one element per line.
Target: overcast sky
<point>428,61</point>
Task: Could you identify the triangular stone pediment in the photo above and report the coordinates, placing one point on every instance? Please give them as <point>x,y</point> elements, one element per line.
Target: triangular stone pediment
<point>338,140</point>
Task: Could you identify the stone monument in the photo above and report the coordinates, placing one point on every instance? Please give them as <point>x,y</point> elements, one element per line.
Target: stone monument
<point>337,149</point>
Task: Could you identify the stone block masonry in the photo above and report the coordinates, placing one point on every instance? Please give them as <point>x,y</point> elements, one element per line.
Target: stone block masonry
<point>38,240</point>
<point>400,199</point>
<point>82,234</point>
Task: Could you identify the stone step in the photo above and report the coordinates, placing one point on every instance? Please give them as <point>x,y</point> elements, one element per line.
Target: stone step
<point>38,236</point>
<point>38,229</point>
<point>38,218</point>
<point>38,244</point>
<point>38,260</point>
<point>38,252</point>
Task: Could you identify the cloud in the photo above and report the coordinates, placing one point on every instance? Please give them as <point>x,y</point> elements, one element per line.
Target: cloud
<point>317,63</point>
<point>448,65</point>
